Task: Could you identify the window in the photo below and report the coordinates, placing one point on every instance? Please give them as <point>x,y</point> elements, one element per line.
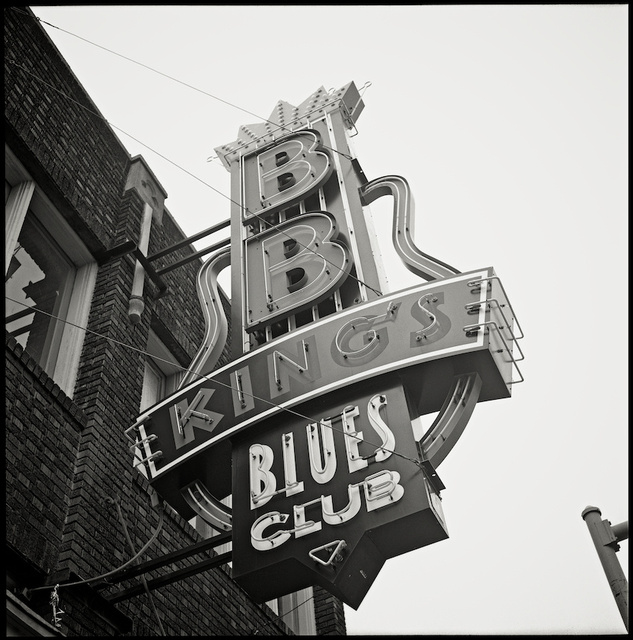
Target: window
<point>297,611</point>
<point>153,385</point>
<point>162,373</point>
<point>49,278</point>
<point>153,390</point>
<point>160,379</point>
<point>40,276</point>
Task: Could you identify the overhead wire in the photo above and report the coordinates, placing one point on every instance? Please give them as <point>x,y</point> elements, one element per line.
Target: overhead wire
<point>206,93</point>
<point>95,113</point>
<point>117,503</point>
<point>271,226</point>
<point>103,576</point>
<point>207,377</point>
<point>201,376</point>
<point>279,127</point>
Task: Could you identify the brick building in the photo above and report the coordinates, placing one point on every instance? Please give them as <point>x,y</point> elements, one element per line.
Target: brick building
<point>81,362</point>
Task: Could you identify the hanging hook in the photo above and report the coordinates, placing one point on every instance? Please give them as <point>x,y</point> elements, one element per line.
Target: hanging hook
<point>57,612</point>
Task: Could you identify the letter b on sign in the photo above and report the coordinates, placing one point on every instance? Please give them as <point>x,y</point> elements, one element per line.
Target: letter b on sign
<point>284,174</point>
<point>291,267</point>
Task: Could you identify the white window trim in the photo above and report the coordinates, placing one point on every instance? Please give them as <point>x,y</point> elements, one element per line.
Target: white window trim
<point>25,194</point>
<point>15,212</point>
<point>66,368</point>
<point>166,363</point>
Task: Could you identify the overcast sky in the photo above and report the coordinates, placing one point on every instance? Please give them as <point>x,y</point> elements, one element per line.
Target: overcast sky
<point>510,124</point>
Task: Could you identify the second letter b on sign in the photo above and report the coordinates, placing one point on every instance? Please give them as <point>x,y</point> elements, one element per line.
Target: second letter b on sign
<point>291,267</point>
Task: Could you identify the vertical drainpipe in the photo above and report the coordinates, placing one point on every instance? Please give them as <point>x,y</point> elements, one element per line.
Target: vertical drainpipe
<point>137,305</point>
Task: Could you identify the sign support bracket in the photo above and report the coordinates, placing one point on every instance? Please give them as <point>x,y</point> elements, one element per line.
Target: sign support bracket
<point>167,559</point>
<point>155,275</point>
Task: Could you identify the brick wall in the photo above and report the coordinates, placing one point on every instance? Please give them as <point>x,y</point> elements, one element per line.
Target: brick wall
<point>74,152</point>
<point>329,613</point>
<point>43,429</point>
<point>68,460</point>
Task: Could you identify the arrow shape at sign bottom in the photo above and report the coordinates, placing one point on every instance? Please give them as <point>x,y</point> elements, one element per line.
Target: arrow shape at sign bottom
<point>334,557</point>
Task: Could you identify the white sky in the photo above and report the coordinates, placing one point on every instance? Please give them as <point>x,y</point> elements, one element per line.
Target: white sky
<point>511,125</point>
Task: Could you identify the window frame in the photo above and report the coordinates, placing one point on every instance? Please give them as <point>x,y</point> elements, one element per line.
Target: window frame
<point>297,611</point>
<point>163,365</point>
<point>161,358</point>
<point>154,369</point>
<point>26,197</point>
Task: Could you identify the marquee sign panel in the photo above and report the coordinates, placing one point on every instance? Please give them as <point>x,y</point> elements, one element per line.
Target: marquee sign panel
<point>322,506</point>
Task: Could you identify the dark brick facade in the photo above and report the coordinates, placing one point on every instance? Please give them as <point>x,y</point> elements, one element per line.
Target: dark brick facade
<point>69,467</point>
<point>329,613</point>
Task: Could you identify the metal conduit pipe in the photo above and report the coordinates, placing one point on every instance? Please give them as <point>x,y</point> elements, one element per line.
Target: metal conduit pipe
<point>605,539</point>
<point>137,304</point>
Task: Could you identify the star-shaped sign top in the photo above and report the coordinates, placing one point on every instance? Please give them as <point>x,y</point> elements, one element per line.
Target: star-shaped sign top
<point>286,118</point>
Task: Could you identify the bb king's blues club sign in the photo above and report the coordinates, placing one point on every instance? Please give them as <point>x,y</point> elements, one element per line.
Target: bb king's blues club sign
<point>312,428</point>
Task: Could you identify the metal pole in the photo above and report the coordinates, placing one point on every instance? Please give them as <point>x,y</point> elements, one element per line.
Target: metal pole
<point>605,539</point>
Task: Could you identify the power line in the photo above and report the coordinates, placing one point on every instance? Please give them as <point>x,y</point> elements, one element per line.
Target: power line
<point>245,209</point>
<point>266,222</point>
<point>206,93</point>
<point>279,128</point>
<point>161,514</point>
<point>322,423</point>
<point>271,225</point>
<point>146,546</point>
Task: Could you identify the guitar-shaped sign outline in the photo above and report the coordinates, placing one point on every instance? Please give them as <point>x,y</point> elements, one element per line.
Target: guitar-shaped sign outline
<point>449,424</point>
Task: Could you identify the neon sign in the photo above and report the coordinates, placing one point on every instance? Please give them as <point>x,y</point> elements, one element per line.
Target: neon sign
<point>309,427</point>
<point>328,502</point>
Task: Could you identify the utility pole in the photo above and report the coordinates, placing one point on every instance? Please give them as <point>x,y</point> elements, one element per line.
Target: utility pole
<point>605,538</point>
